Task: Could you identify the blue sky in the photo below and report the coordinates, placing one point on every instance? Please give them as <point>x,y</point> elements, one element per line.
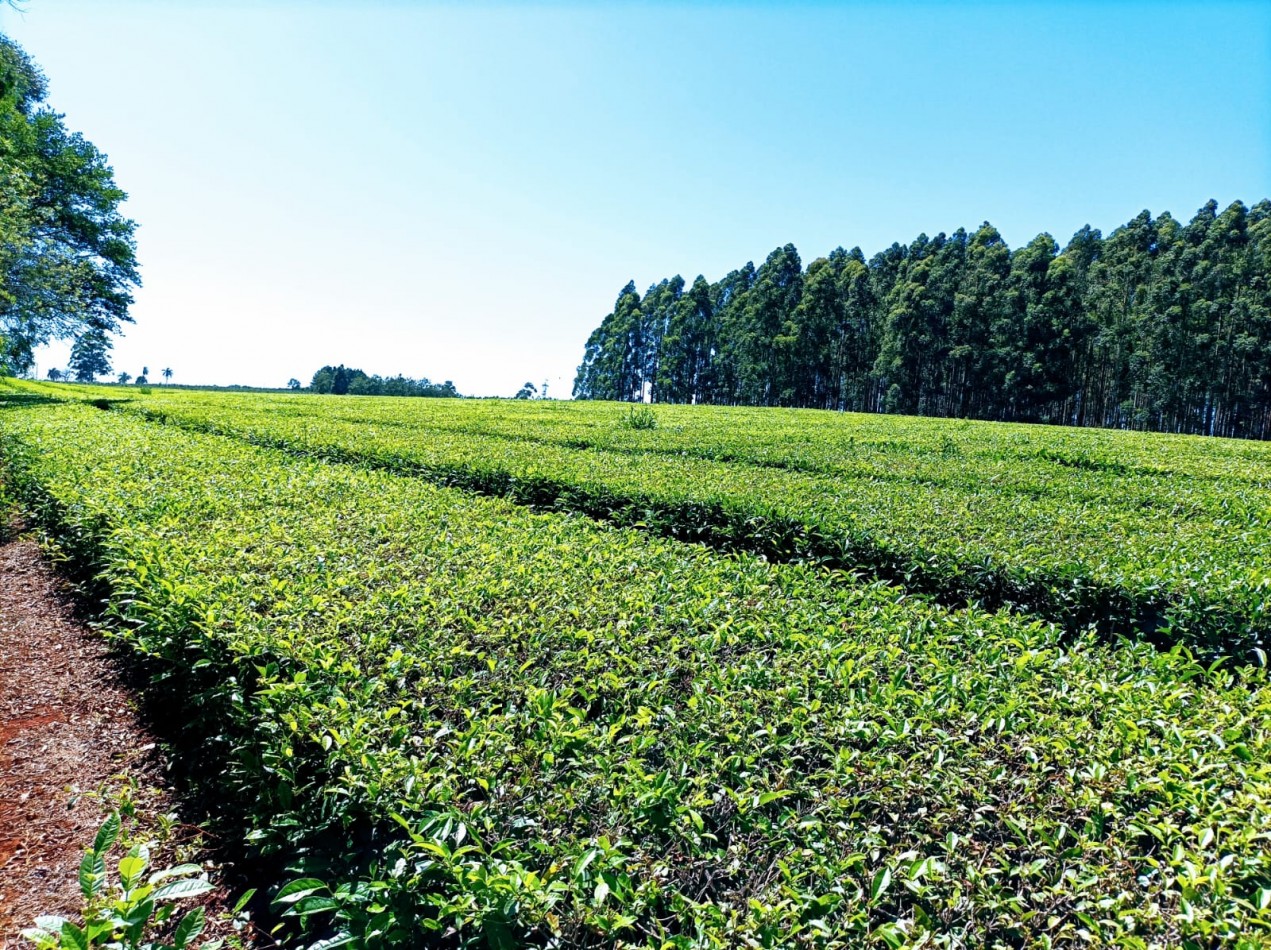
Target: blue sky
<point>460,191</point>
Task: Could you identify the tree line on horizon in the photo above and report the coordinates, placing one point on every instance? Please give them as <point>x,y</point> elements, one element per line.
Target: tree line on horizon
<point>1160,325</point>
<point>341,380</point>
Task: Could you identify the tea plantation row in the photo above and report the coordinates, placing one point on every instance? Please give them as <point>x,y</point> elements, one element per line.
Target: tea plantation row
<point>469,723</point>
<point>811,440</point>
<point>1172,556</point>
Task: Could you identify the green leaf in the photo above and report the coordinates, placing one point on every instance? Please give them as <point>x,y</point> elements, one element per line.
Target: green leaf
<point>415,836</point>
<point>138,915</point>
<point>188,887</point>
<point>189,928</point>
<point>878,887</point>
<point>585,861</point>
<point>73,938</point>
<point>295,890</point>
<point>313,904</point>
<point>41,938</point>
<point>131,868</point>
<point>180,870</point>
<point>106,834</point>
<point>342,939</point>
<point>96,928</point>
<point>891,934</point>
<point>92,874</point>
<point>243,900</point>
<point>769,797</point>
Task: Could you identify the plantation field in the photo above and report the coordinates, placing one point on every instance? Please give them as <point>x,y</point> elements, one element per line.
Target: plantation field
<point>464,719</point>
<point>1142,535</point>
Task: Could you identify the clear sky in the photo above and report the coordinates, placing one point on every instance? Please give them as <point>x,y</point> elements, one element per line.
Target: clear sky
<point>459,191</point>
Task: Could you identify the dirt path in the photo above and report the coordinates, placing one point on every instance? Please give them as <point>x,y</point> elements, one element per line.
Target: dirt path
<point>68,730</point>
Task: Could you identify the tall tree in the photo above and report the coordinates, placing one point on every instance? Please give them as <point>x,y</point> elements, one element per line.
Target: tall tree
<point>67,255</point>
<point>914,356</point>
<point>657,311</point>
<point>857,338</point>
<point>90,356</point>
<point>1255,343</point>
<point>684,370</point>
<point>728,302</point>
<point>614,362</point>
<point>1025,335</point>
<point>1119,280</point>
<point>1082,251</point>
<point>807,342</point>
<point>763,364</point>
<point>973,377</point>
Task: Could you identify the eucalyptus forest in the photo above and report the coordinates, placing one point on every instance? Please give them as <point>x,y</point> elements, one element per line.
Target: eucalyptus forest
<point>1161,326</point>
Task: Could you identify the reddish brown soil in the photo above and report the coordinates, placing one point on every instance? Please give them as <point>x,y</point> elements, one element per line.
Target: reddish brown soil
<point>69,732</point>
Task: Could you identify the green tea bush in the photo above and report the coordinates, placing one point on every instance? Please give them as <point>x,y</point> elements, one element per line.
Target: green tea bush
<point>1171,551</point>
<point>127,905</point>
<point>472,725</point>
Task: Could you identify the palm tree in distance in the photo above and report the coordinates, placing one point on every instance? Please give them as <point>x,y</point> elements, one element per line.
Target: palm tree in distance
<point>167,375</point>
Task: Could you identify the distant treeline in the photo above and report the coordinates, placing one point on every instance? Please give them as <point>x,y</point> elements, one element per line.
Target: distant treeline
<point>1160,325</point>
<point>340,380</point>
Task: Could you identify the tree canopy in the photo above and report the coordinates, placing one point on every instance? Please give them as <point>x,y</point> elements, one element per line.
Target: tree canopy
<point>341,380</point>
<point>67,255</point>
<point>1160,325</point>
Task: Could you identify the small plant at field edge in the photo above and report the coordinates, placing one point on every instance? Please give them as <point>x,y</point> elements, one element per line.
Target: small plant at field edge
<point>639,417</point>
<point>128,912</point>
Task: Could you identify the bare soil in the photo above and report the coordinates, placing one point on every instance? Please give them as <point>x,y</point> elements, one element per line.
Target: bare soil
<point>71,742</point>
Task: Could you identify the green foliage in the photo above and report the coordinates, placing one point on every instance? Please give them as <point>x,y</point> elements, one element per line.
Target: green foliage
<point>640,418</point>
<point>1141,535</point>
<point>1160,326</point>
<point>340,381</point>
<point>469,724</point>
<point>90,356</point>
<point>134,910</point>
<point>67,256</point>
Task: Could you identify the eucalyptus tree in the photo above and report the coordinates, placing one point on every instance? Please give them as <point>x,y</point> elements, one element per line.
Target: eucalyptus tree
<point>1160,325</point>
<point>765,358</point>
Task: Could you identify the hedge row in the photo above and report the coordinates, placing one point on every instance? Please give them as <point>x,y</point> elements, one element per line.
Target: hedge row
<point>1167,557</point>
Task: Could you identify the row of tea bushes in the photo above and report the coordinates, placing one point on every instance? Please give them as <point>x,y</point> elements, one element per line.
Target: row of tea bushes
<point>1171,559</point>
<point>832,443</point>
<point>481,726</point>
